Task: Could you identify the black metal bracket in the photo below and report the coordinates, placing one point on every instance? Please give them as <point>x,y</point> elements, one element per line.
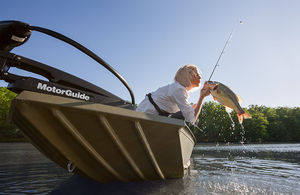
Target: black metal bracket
<point>15,33</point>
<point>59,83</point>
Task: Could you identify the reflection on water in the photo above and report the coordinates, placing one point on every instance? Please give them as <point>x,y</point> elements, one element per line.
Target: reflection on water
<point>284,152</point>
<point>248,176</point>
<point>24,170</point>
<point>249,169</point>
<point>30,178</point>
<point>215,169</point>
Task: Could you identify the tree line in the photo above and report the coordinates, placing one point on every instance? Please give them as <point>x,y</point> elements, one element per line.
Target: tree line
<point>8,131</point>
<point>281,124</point>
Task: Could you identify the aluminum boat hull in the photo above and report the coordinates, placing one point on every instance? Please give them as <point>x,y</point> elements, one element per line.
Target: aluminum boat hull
<point>103,142</point>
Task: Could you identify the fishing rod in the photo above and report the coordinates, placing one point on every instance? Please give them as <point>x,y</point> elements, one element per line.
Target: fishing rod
<point>217,64</point>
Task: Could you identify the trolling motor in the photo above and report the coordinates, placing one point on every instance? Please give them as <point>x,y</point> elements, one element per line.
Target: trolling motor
<point>60,83</point>
<point>13,34</point>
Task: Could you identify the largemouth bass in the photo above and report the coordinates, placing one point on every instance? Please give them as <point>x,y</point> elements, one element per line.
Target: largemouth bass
<point>228,98</point>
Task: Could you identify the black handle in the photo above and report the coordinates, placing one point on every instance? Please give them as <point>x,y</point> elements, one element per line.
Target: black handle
<point>12,34</point>
<point>87,52</point>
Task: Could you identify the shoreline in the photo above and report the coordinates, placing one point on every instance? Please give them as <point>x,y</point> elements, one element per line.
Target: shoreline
<point>25,140</point>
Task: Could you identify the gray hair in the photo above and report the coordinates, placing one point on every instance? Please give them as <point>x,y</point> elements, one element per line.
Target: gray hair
<point>185,73</point>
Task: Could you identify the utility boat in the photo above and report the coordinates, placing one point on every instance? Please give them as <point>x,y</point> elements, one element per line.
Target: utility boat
<point>84,128</point>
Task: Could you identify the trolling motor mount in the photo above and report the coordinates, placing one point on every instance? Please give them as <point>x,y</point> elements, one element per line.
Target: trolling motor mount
<point>13,34</point>
<point>16,33</point>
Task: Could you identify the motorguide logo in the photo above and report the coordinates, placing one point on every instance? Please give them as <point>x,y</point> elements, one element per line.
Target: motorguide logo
<point>67,92</point>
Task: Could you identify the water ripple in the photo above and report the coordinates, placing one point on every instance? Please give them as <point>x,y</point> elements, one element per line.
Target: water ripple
<point>30,178</point>
<point>230,169</point>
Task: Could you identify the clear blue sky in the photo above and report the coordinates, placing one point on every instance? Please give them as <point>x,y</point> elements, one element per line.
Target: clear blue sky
<point>147,41</point>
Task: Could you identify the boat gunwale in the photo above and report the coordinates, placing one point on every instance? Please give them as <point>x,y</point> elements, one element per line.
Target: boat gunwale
<point>90,106</point>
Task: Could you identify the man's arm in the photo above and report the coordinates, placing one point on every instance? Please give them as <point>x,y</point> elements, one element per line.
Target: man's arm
<point>203,93</point>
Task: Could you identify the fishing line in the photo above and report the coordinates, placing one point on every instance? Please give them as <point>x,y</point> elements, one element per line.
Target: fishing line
<point>217,63</point>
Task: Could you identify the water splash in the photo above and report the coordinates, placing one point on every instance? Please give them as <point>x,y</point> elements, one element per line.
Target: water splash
<point>243,139</point>
<point>232,122</point>
<point>243,132</point>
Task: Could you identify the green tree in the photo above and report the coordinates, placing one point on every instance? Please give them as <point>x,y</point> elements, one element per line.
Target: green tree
<point>288,119</point>
<point>6,97</point>
<point>215,123</point>
<point>256,127</point>
<point>280,124</point>
<point>8,131</point>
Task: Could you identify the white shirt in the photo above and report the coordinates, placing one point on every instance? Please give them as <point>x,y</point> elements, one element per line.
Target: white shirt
<point>171,98</point>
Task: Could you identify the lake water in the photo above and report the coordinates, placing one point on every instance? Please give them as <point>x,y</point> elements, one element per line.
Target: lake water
<point>216,169</point>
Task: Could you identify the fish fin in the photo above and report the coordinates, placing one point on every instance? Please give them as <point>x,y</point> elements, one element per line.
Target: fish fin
<point>240,100</point>
<point>240,118</point>
<point>243,116</point>
<point>246,115</point>
<point>228,110</point>
<point>215,86</point>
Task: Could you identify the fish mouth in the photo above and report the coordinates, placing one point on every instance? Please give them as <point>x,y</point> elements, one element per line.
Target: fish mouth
<point>215,87</point>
